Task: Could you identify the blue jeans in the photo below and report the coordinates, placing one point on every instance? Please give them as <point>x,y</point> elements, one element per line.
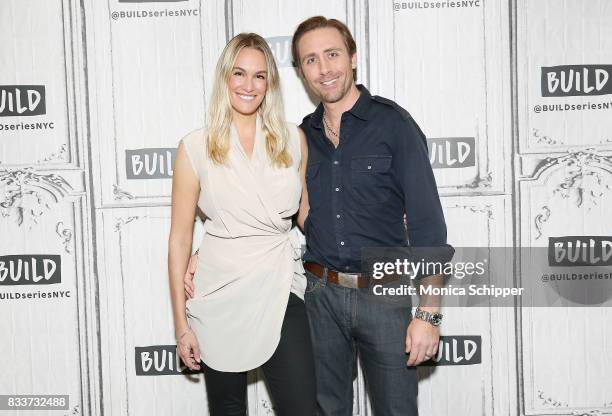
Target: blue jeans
<point>344,321</point>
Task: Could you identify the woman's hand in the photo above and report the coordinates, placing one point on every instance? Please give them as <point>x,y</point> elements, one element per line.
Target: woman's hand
<point>188,349</point>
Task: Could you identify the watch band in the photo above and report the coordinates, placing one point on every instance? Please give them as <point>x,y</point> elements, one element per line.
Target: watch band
<point>434,318</point>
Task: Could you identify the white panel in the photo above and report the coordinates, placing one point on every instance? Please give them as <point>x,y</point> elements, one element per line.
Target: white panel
<point>45,349</point>
<point>553,33</point>
<point>36,52</point>
<point>564,350</point>
<point>451,72</point>
<point>136,312</point>
<point>147,89</point>
<point>381,48</point>
<point>488,387</point>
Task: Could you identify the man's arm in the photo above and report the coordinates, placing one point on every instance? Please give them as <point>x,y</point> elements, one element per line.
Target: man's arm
<point>425,226</point>
<point>424,217</point>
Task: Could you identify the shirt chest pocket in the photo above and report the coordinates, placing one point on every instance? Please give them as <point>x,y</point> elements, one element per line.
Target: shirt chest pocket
<point>371,181</point>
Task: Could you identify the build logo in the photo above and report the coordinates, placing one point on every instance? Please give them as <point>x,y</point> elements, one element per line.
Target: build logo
<point>452,152</point>
<point>576,80</point>
<point>568,251</point>
<point>30,269</point>
<point>281,49</point>
<point>457,350</point>
<point>150,163</point>
<point>22,100</point>
<point>159,360</point>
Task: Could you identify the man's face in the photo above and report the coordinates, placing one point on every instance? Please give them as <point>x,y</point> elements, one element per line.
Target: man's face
<point>325,64</point>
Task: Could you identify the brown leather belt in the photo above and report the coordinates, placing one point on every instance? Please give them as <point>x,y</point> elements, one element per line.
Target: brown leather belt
<point>352,280</point>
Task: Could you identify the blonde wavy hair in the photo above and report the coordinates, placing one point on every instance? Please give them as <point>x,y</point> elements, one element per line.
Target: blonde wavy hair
<point>271,109</point>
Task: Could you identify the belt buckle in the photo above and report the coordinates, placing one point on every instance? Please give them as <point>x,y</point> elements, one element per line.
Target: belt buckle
<point>348,280</point>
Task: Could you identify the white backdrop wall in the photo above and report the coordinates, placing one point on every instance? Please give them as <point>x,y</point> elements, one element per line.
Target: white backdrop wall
<point>94,95</point>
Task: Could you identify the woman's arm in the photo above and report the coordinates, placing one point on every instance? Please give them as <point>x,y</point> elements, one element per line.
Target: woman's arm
<point>304,206</point>
<point>185,194</point>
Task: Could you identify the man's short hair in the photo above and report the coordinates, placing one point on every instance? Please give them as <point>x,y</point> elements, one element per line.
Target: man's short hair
<point>319,22</point>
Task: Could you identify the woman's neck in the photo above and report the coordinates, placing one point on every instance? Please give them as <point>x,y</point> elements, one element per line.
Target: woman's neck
<point>244,121</point>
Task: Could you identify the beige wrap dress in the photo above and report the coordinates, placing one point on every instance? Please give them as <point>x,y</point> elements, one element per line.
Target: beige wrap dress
<point>249,259</point>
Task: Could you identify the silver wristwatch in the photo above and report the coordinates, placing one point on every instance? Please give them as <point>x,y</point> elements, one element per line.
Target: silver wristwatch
<point>433,318</point>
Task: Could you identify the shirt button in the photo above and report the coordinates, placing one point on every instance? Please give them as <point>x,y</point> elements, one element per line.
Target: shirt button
<point>337,189</point>
<point>336,162</point>
<point>341,243</point>
<point>338,216</point>
<point>369,167</point>
<point>346,267</point>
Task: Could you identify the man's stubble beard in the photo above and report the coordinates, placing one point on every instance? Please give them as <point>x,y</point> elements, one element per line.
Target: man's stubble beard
<point>331,99</point>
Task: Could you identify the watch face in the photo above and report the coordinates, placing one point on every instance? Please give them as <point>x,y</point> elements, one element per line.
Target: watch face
<point>436,319</point>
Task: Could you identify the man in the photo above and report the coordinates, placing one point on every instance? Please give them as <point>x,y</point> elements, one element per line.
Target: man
<point>369,180</point>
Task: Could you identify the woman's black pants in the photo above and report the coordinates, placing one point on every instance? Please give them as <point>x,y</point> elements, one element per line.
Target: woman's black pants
<point>289,373</point>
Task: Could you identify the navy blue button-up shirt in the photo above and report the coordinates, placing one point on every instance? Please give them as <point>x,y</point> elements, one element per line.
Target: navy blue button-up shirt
<point>360,191</point>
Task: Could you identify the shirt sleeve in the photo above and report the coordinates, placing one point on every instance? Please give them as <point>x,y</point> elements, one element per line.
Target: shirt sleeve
<point>424,217</point>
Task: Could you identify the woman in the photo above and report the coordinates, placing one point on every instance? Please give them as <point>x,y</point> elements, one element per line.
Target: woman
<point>245,172</point>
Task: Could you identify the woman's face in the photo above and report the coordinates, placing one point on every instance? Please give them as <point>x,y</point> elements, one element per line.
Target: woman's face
<point>248,81</point>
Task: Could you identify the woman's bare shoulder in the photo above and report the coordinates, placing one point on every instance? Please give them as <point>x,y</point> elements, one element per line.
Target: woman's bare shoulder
<point>195,137</point>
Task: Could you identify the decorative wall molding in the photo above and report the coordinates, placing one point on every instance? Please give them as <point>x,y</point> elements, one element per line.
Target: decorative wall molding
<point>583,181</point>
<point>542,139</point>
<point>58,155</point>
<point>121,221</point>
<point>65,234</point>
<point>479,182</point>
<point>589,413</point>
<point>28,194</point>
<point>578,164</point>
<point>486,209</point>
<point>549,401</point>
<point>540,219</point>
<point>119,194</point>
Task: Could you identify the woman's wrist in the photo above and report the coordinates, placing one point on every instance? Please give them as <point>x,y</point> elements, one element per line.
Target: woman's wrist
<point>180,334</point>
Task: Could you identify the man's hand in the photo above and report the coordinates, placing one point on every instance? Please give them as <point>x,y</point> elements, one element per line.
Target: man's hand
<point>188,279</point>
<point>422,340</point>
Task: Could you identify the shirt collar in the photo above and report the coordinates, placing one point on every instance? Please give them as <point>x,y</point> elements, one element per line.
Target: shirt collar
<point>361,108</point>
